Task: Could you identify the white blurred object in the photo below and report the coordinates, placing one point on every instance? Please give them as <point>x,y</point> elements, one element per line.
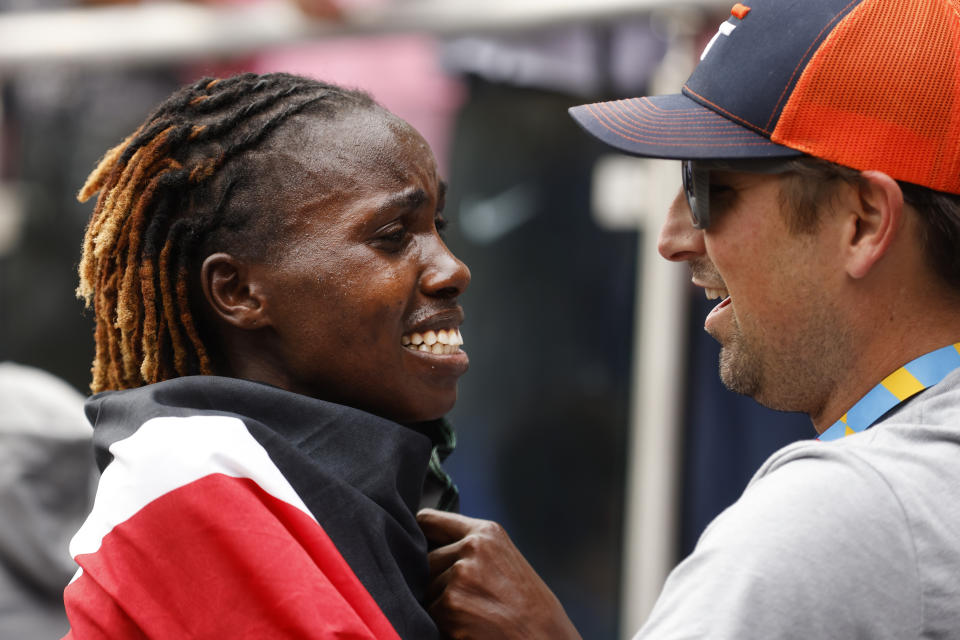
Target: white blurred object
<point>484,221</point>
<point>174,31</point>
<point>621,193</point>
<point>39,403</point>
<point>11,218</point>
<point>653,491</point>
<point>46,489</point>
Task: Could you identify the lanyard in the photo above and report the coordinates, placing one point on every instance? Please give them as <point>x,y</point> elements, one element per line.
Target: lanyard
<point>905,382</point>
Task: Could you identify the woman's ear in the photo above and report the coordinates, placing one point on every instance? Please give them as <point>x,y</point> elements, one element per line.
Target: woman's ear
<point>876,219</point>
<point>230,294</point>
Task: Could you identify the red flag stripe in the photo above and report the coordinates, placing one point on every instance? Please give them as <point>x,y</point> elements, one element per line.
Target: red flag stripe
<point>220,558</point>
<point>167,453</point>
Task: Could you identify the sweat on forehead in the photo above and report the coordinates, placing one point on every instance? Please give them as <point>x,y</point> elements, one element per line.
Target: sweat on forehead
<point>364,136</point>
<point>312,160</point>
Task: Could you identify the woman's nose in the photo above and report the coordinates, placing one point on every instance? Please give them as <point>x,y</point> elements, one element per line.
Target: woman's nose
<point>446,275</point>
<point>679,240</point>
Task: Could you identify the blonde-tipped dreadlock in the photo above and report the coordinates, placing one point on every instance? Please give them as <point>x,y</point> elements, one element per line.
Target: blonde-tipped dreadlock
<point>160,199</point>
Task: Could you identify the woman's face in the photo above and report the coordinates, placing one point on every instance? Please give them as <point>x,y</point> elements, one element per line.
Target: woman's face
<point>361,268</point>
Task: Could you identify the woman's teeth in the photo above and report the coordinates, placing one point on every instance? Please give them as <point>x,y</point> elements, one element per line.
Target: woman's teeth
<point>442,342</point>
<point>713,294</point>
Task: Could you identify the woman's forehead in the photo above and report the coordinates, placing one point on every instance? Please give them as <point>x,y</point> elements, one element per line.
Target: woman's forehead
<point>366,138</point>
<point>369,158</point>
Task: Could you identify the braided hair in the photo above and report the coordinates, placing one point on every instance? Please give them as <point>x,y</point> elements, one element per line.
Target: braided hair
<point>167,193</point>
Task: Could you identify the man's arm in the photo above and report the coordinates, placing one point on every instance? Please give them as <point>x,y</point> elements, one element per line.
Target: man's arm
<point>482,587</point>
<point>819,546</point>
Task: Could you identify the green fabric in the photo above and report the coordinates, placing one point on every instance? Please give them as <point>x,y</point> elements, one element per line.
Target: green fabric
<point>439,490</point>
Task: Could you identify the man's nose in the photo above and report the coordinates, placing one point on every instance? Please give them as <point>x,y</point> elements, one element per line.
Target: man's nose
<point>679,240</point>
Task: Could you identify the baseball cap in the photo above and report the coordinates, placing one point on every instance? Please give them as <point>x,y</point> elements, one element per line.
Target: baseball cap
<point>868,84</point>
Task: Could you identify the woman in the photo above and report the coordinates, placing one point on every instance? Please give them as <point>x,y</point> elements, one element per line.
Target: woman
<point>278,340</point>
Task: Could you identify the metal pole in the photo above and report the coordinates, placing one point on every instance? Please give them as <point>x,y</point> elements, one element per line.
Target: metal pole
<point>653,476</point>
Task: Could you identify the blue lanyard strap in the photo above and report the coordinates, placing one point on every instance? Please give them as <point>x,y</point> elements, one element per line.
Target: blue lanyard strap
<point>905,382</point>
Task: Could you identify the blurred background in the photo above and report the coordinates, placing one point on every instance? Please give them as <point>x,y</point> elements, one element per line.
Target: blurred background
<point>592,423</point>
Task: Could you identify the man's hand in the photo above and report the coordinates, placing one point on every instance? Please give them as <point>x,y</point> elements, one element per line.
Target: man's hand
<point>482,587</point>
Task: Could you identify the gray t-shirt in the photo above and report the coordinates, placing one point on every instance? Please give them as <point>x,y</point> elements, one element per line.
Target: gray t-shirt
<point>855,538</point>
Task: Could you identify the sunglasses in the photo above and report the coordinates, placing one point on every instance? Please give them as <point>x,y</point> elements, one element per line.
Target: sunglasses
<point>696,180</point>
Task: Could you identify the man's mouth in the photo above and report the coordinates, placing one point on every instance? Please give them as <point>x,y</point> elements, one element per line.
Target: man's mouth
<point>716,293</point>
<point>440,342</point>
<point>713,294</point>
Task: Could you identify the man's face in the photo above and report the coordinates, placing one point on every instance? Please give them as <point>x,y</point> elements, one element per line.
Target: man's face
<point>781,335</point>
<point>361,269</point>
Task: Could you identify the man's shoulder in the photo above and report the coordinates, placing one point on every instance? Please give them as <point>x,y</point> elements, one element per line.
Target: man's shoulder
<point>906,459</point>
<point>810,492</point>
<point>818,545</point>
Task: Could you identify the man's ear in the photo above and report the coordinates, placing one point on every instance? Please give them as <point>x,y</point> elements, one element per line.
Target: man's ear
<point>232,297</point>
<point>876,218</point>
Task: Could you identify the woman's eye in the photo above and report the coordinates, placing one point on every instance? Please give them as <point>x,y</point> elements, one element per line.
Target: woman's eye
<point>392,237</point>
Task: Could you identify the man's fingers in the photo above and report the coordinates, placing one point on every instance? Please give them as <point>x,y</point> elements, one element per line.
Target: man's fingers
<point>442,527</point>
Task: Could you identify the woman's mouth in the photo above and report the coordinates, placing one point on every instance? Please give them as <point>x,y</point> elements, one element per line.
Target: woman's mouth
<point>440,342</point>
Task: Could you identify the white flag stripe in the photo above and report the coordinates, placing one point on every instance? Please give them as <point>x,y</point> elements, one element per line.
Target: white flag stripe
<point>167,453</point>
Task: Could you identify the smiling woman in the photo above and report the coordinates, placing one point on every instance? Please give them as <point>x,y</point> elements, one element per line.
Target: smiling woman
<point>277,344</point>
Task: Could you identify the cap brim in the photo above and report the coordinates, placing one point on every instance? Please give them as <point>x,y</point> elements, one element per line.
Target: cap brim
<point>673,126</point>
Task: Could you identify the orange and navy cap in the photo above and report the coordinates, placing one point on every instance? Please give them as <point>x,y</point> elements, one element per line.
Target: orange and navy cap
<point>868,84</point>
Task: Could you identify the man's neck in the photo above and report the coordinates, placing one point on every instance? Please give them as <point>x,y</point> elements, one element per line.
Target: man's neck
<point>882,355</point>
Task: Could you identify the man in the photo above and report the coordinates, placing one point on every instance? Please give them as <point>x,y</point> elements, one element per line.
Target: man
<point>821,172</point>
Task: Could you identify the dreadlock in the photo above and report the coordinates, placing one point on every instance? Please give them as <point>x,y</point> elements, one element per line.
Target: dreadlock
<point>165,192</point>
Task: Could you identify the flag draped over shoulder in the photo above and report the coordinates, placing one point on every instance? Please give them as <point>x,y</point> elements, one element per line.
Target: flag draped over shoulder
<point>232,509</point>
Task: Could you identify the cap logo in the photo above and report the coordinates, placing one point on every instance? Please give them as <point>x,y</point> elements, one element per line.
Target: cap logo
<point>738,11</point>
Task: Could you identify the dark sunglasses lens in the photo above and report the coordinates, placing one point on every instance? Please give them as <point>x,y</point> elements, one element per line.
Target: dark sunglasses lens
<point>690,190</point>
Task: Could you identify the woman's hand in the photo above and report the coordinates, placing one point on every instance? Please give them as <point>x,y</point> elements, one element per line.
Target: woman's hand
<point>482,587</point>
